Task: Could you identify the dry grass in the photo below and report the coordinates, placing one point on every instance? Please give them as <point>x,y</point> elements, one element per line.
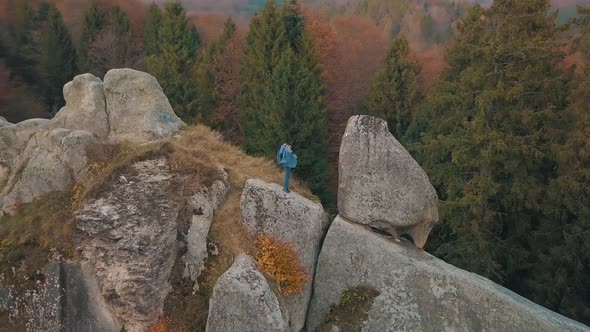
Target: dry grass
<point>36,227</point>
<point>209,145</point>
<point>196,151</point>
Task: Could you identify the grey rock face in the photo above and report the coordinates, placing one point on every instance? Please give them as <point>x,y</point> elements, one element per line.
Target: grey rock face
<point>418,292</point>
<point>67,300</point>
<point>52,161</point>
<point>128,236</point>
<point>287,217</point>
<point>3,122</point>
<point>85,107</point>
<point>137,107</point>
<point>14,139</point>
<point>381,185</point>
<point>243,301</point>
<point>202,206</point>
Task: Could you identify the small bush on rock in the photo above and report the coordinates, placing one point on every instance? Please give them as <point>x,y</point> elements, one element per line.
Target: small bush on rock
<point>280,260</point>
<point>352,310</point>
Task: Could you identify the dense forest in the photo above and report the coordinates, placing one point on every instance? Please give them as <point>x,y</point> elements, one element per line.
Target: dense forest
<point>491,99</point>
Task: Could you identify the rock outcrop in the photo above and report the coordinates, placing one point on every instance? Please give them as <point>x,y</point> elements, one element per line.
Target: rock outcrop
<point>52,161</point>
<point>290,218</point>
<point>381,185</point>
<point>137,107</point>
<point>128,235</point>
<point>417,292</point>
<point>68,300</point>
<point>85,108</point>
<point>39,156</point>
<point>13,140</point>
<point>202,206</point>
<point>244,302</point>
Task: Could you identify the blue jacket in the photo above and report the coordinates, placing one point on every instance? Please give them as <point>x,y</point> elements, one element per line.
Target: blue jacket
<point>286,157</point>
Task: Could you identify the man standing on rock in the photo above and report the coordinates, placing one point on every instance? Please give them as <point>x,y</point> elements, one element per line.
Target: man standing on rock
<point>288,159</point>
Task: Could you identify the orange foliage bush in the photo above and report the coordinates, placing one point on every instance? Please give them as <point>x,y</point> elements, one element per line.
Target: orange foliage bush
<point>160,326</point>
<point>278,259</point>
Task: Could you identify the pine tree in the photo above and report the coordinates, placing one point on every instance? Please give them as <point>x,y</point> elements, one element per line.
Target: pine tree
<point>152,26</point>
<point>22,54</point>
<point>264,45</point>
<point>293,111</point>
<point>283,94</point>
<point>560,280</point>
<point>294,24</point>
<point>394,94</point>
<point>172,64</point>
<point>57,62</point>
<point>95,20</point>
<point>487,150</point>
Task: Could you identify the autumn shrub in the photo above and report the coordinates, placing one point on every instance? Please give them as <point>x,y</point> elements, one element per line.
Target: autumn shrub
<point>280,260</point>
<point>160,326</point>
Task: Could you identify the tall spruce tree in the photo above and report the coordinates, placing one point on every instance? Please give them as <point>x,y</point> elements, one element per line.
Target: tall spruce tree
<point>152,26</point>
<point>95,20</point>
<point>293,111</point>
<point>22,54</point>
<point>57,60</point>
<point>294,25</point>
<point>283,94</point>
<point>560,280</point>
<point>174,60</point>
<point>487,150</point>
<point>394,94</point>
<point>264,44</point>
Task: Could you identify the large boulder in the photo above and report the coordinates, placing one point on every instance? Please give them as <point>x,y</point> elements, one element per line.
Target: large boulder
<point>201,207</point>
<point>14,139</point>
<point>137,107</point>
<point>85,107</point>
<point>381,185</point>
<point>128,235</point>
<point>292,218</point>
<point>244,302</point>
<point>416,291</point>
<point>52,161</point>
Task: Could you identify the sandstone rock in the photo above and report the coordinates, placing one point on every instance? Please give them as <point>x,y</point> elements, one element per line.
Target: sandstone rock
<point>128,236</point>
<point>418,292</point>
<point>85,107</point>
<point>14,137</point>
<point>381,185</point>
<point>202,205</point>
<point>67,300</point>
<point>3,122</point>
<point>243,301</point>
<point>287,217</point>
<point>137,107</point>
<point>52,161</point>
<point>73,300</point>
<point>13,140</point>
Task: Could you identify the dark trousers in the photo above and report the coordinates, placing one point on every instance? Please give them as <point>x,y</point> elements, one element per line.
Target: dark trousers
<point>287,177</point>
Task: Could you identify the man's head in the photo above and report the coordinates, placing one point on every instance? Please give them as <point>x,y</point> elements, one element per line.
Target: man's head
<point>288,145</point>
